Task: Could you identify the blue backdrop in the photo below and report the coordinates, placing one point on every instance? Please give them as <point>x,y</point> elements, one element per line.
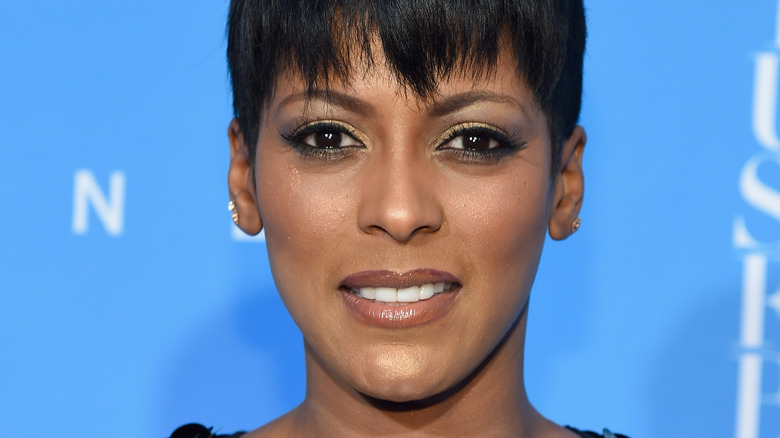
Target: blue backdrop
<point>128,304</point>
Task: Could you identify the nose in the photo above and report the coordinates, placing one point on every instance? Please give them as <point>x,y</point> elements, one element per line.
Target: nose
<point>399,199</point>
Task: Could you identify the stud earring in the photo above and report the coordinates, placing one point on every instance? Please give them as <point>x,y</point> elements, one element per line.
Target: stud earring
<point>233,211</point>
<point>575,225</point>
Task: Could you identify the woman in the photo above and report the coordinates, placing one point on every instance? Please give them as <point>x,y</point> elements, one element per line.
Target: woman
<point>405,159</point>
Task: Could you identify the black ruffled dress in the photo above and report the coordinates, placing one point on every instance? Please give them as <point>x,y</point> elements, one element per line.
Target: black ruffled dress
<point>198,431</point>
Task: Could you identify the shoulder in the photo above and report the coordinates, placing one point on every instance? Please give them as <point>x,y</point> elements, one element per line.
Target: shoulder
<point>588,434</point>
<point>198,431</point>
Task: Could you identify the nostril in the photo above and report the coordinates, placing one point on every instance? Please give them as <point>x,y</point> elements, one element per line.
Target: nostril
<point>401,223</point>
<point>397,198</point>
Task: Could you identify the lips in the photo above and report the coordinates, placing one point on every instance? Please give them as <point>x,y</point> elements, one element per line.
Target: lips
<point>398,300</point>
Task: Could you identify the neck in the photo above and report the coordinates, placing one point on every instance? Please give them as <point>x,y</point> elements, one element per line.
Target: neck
<point>491,401</point>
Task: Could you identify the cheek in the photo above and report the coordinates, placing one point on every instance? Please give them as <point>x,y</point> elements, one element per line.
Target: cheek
<point>502,226</point>
<point>299,208</point>
<point>503,220</point>
<point>291,205</point>
<point>303,220</point>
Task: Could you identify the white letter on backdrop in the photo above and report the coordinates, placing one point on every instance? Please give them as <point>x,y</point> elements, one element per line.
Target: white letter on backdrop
<point>111,211</point>
<point>758,195</point>
<point>765,101</point>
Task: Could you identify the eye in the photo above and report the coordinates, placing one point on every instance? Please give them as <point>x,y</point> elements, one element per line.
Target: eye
<point>472,140</point>
<point>329,138</point>
<point>324,140</point>
<point>323,135</point>
<point>479,143</point>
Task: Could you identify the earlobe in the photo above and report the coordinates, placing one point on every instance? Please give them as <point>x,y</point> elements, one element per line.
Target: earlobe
<point>569,187</point>
<point>245,210</point>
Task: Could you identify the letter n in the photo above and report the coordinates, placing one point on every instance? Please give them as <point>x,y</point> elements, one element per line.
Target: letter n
<point>109,211</point>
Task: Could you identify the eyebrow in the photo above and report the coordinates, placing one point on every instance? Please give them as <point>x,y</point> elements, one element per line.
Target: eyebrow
<point>331,97</point>
<point>437,108</point>
<point>455,102</point>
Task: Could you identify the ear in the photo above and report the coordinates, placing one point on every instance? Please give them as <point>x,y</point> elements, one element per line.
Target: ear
<point>569,186</point>
<point>240,182</point>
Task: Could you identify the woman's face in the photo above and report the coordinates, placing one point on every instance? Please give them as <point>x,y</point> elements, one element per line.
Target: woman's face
<point>370,196</point>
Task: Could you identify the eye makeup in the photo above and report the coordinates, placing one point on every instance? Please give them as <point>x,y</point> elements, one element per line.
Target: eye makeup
<point>469,142</point>
<point>324,139</point>
<point>480,143</point>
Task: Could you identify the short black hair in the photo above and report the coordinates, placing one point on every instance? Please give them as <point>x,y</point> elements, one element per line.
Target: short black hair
<point>422,42</point>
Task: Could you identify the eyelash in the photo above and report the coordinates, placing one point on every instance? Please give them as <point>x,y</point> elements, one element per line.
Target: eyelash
<point>506,145</point>
<point>296,137</point>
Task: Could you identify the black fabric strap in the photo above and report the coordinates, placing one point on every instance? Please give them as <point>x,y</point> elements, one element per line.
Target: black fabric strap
<point>589,434</point>
<point>194,430</point>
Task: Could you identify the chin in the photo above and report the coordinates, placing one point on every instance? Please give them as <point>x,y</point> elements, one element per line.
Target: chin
<point>401,375</point>
<point>419,389</point>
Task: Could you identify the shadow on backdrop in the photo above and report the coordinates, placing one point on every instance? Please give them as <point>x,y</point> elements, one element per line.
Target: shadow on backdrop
<point>694,385</point>
<point>238,370</point>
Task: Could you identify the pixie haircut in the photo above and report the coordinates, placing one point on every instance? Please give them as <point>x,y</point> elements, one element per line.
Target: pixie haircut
<point>422,42</point>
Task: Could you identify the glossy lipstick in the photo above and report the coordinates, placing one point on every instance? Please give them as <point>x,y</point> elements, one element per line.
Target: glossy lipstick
<point>368,296</point>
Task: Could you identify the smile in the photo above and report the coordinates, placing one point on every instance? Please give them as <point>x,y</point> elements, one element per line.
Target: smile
<point>389,299</point>
<point>410,294</point>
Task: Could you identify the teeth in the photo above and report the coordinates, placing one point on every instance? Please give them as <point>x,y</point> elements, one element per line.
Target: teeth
<point>405,295</point>
<point>368,293</point>
<point>409,294</point>
<point>427,291</point>
<point>386,294</point>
